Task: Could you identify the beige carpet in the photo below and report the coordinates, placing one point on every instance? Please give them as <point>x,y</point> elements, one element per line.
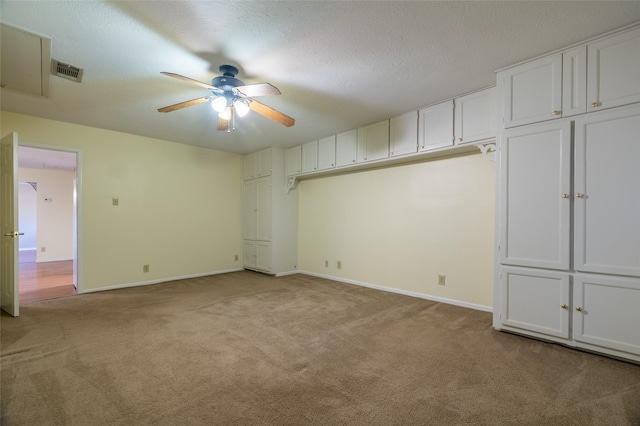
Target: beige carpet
<point>248,349</point>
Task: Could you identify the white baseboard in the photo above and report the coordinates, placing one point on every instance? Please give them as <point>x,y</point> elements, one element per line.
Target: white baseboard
<point>61,259</point>
<point>283,274</point>
<point>404,292</point>
<point>159,280</point>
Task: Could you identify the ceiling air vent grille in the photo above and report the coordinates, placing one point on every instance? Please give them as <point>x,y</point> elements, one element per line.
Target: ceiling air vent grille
<point>66,71</point>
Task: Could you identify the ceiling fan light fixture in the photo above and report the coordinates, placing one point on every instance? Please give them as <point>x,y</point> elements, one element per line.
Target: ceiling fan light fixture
<point>219,104</point>
<point>225,114</point>
<point>241,107</point>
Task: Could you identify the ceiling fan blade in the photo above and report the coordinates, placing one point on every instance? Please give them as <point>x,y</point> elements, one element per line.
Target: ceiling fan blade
<point>260,89</point>
<point>271,113</point>
<point>183,104</point>
<point>189,80</point>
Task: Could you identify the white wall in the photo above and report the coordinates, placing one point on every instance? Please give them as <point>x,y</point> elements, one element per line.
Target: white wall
<point>180,206</point>
<point>55,217</point>
<point>27,216</point>
<point>401,227</point>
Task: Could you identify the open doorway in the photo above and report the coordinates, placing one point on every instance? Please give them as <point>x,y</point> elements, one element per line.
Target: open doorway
<point>47,210</point>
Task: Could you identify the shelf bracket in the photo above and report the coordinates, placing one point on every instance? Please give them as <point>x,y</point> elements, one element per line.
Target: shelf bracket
<point>488,150</point>
<point>291,183</point>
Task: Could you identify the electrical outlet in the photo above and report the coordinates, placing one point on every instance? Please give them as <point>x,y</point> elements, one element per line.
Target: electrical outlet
<point>145,268</point>
<point>326,263</point>
<point>115,201</point>
<point>441,279</point>
<point>339,264</point>
<point>236,257</point>
<point>43,249</point>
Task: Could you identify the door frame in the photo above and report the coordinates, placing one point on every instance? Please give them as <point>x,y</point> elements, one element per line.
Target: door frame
<point>78,249</point>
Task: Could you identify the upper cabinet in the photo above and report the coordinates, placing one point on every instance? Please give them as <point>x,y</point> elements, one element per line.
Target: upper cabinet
<point>310,157</point>
<point>435,126</point>
<point>403,134</point>
<point>613,70</point>
<point>346,148</point>
<point>533,91</point>
<point>475,118</point>
<point>293,160</point>
<point>598,75</point>
<point>373,142</point>
<point>257,164</point>
<point>327,153</point>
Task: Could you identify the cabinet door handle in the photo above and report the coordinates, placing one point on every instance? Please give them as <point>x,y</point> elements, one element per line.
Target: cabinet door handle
<point>556,112</point>
<point>459,139</point>
<point>579,195</point>
<point>563,306</point>
<point>579,309</point>
<point>596,104</point>
<point>565,195</point>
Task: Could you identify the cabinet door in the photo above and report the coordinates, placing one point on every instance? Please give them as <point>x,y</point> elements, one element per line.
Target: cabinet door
<point>475,117</point>
<point>327,153</point>
<point>403,134</point>
<point>263,256</point>
<point>373,142</point>
<point>535,186</point>
<point>346,148</point>
<point>614,71</point>
<point>606,312</point>
<point>263,207</point>
<point>533,91</point>
<point>435,126</point>
<point>250,209</point>
<point>264,162</point>
<point>536,300</point>
<point>293,160</point>
<point>250,166</point>
<point>607,192</point>
<point>574,81</point>
<point>310,157</point>
<point>249,254</point>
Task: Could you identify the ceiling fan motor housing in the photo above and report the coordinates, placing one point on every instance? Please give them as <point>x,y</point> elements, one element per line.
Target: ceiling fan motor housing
<point>227,80</point>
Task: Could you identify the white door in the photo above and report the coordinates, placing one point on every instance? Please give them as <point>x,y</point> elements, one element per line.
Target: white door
<point>263,207</point>
<point>403,134</point>
<point>310,157</point>
<point>346,148</point>
<point>536,300</point>
<point>250,209</point>
<point>373,141</point>
<point>606,312</point>
<point>535,217</point>
<point>607,197</point>
<point>327,153</point>
<point>435,126</point>
<point>475,117</point>
<point>9,225</point>
<point>533,91</point>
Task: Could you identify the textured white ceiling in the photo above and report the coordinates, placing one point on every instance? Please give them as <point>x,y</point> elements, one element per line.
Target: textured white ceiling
<point>338,65</point>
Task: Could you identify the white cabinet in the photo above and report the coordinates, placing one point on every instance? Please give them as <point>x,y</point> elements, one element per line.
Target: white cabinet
<point>346,148</point>
<point>293,160</point>
<point>475,117</point>
<point>536,300</point>
<point>270,219</point>
<point>373,142</point>
<point>327,153</point>
<point>574,77</point>
<point>613,71</point>
<point>310,157</point>
<point>606,314</point>
<point>257,164</point>
<point>532,91</point>
<point>535,191</point>
<point>435,126</point>
<point>607,192</point>
<point>403,134</point>
<point>257,209</point>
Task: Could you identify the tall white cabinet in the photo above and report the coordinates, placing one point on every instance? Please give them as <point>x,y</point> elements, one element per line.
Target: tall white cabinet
<point>568,234</point>
<point>270,222</point>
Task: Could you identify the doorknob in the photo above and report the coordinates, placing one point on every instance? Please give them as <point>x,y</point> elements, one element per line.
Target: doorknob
<point>13,234</point>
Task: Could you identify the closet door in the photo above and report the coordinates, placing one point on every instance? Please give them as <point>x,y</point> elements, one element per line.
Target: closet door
<point>607,192</point>
<point>536,192</point>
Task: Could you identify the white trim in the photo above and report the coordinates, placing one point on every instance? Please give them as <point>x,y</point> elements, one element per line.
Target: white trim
<point>159,280</point>
<point>59,259</point>
<point>284,274</point>
<point>404,292</point>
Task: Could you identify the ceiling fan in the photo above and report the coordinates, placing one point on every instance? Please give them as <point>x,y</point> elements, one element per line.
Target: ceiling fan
<point>230,97</point>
